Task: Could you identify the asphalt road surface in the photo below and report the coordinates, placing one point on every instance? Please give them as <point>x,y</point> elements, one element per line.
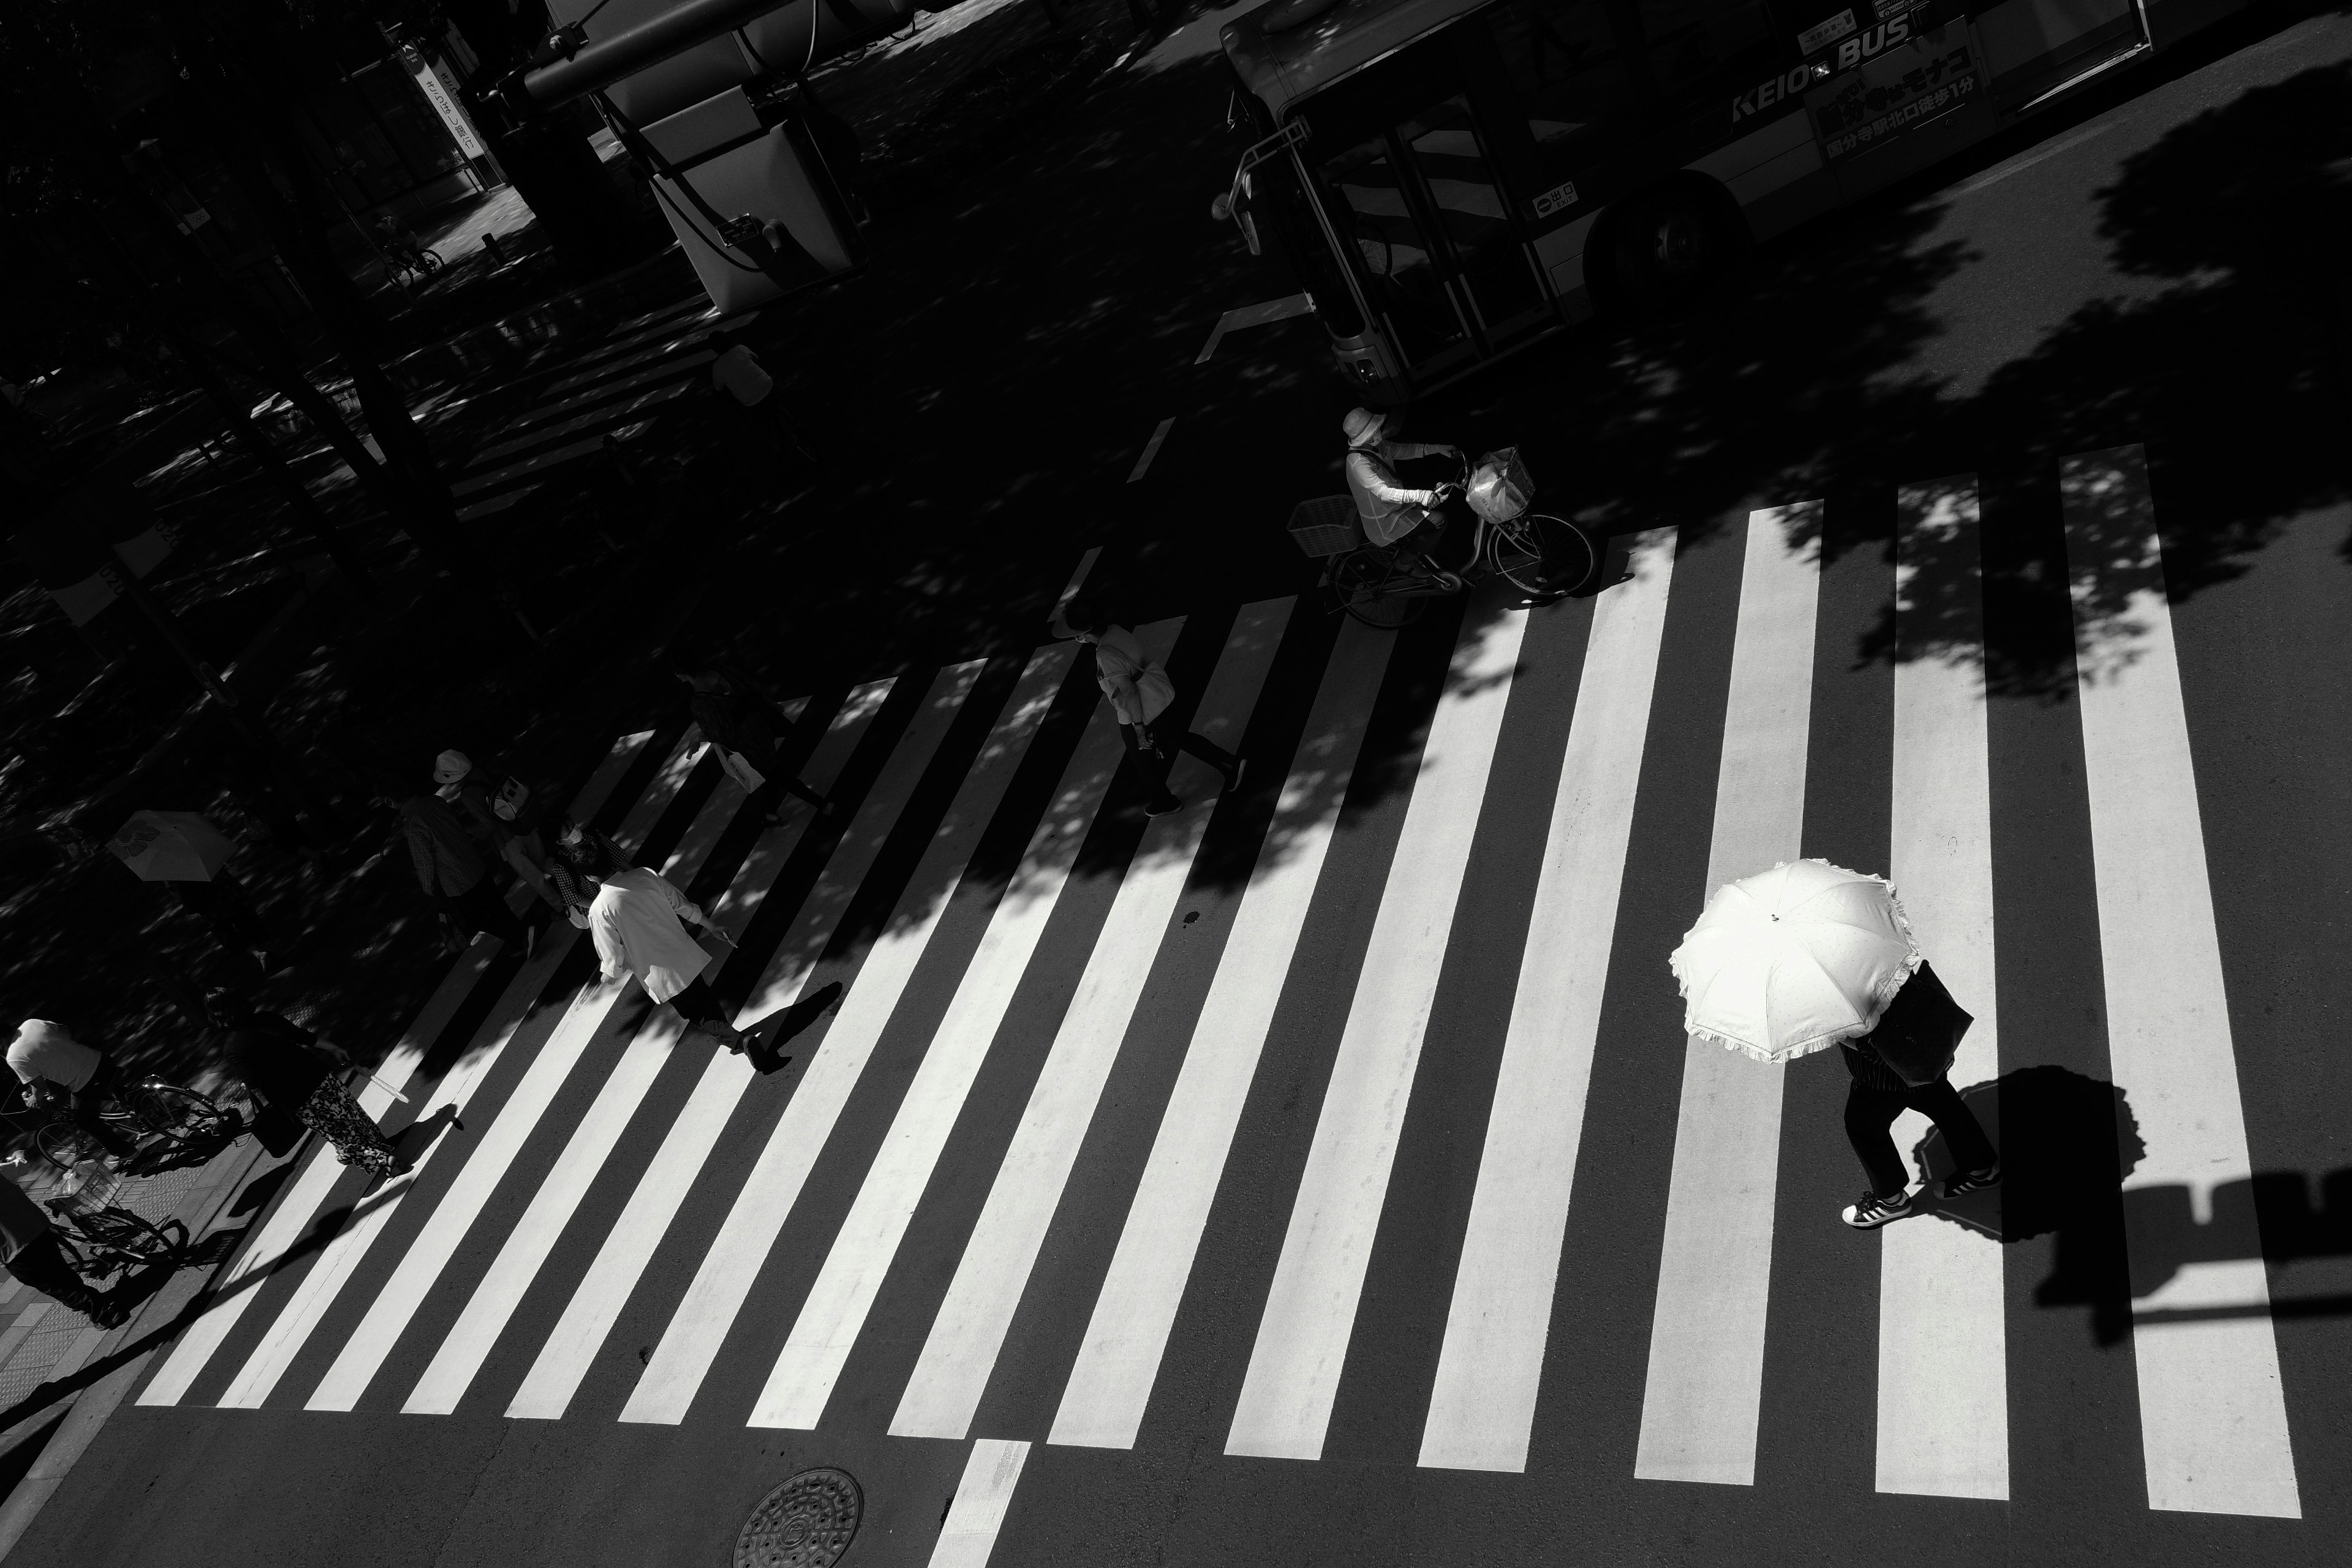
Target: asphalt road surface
<point>1321,1174</point>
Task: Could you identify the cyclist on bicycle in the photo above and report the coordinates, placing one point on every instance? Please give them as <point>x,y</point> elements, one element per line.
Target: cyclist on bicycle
<point>53,1065</point>
<point>1393,513</point>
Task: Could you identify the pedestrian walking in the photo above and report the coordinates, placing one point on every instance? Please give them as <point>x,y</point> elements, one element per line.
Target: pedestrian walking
<point>29,1250</point>
<point>638,924</point>
<point>738,376</point>
<point>1139,691</point>
<point>451,870</point>
<point>740,722</point>
<point>53,1066</point>
<point>1904,1065</point>
<point>501,812</point>
<point>297,1077</point>
<point>571,861</point>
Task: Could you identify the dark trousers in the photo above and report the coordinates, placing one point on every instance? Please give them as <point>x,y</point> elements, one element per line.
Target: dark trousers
<point>698,1004</point>
<point>41,1263</point>
<point>1154,765</point>
<point>479,908</point>
<point>1870,1113</point>
<point>86,1104</point>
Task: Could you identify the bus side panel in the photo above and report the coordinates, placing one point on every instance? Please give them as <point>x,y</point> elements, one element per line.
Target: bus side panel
<point>1561,254</point>
<point>1775,174</point>
<point>2169,21</point>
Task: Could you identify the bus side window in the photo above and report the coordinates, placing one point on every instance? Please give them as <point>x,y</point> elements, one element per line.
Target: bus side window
<point>1692,42</point>
<point>1562,57</point>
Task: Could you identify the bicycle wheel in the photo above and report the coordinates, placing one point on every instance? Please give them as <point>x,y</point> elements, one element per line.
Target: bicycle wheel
<point>1545,557</point>
<point>429,262</point>
<point>128,1239</point>
<point>65,1146</point>
<point>1359,582</point>
<point>180,1114</point>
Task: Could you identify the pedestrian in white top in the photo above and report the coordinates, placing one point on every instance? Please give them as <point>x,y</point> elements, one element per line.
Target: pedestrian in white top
<point>738,375</point>
<point>1139,691</point>
<point>1391,512</point>
<point>55,1066</point>
<point>635,921</point>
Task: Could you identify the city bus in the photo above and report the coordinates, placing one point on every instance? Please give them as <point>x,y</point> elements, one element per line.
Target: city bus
<point>1452,179</point>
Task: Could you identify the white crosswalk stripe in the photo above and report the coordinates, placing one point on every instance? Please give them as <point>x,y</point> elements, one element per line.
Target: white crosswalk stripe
<point>1062,1275</point>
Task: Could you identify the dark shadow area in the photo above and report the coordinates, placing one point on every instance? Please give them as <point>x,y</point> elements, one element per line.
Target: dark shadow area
<point>255,1193</point>
<point>2067,1143</point>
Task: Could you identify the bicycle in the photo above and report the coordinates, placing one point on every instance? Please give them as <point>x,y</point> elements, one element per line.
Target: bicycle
<point>404,260</point>
<point>183,1125</point>
<point>1386,585</point>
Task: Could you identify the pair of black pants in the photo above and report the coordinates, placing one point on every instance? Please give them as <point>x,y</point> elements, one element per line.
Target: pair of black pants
<point>479,908</point>
<point>698,1004</point>
<point>1154,765</point>
<point>41,1263</point>
<point>1870,1113</point>
<point>87,1104</point>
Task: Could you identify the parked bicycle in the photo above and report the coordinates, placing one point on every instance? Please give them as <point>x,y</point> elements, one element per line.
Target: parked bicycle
<point>171,1126</point>
<point>1387,585</point>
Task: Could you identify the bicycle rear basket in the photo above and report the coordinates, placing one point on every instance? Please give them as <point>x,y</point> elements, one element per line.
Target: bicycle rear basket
<point>1325,526</point>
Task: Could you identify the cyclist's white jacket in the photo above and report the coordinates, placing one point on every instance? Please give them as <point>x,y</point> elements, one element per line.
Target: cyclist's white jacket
<point>1390,511</point>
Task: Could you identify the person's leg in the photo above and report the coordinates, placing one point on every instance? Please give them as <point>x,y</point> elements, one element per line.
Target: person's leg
<point>1964,1135</point>
<point>1217,756</point>
<point>1869,1113</point>
<point>480,907</point>
<point>1152,768</point>
<point>332,1112</point>
<point>41,1263</point>
<point>87,1106</point>
<point>700,1006</point>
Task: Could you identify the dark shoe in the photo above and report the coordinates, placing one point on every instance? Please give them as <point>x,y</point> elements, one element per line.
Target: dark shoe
<point>110,1314</point>
<point>530,940</point>
<point>1873,1211</point>
<point>1967,1182</point>
<point>1233,779</point>
<point>1162,807</point>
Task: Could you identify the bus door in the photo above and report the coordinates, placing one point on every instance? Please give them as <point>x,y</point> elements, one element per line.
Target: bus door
<point>1443,264</point>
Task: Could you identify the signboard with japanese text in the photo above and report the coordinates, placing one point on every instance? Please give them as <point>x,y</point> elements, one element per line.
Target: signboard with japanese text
<point>1896,92</point>
<point>440,90</point>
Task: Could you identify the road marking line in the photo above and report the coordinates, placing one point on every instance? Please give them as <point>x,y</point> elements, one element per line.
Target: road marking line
<point>1257,315</point>
<point>317,1179</point>
<point>1943,1368</point>
<point>597,1303</point>
<point>969,1330</point>
<point>1151,448</point>
<point>2212,1417</point>
<point>1310,1310</point>
<point>1103,1403</point>
<point>834,1312</point>
<point>688,1347</point>
<point>1701,1398</point>
<point>968,1535</point>
<point>1077,581</point>
<point>325,1279</point>
<point>1483,1405</point>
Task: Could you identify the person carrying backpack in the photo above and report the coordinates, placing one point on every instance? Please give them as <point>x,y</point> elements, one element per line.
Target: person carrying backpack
<point>741,722</point>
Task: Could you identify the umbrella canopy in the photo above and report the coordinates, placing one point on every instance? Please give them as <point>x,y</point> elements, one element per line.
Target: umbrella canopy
<point>1793,960</point>
<point>172,846</point>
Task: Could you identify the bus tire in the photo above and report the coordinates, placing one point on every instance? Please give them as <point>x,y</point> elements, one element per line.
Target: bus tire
<point>1670,245</point>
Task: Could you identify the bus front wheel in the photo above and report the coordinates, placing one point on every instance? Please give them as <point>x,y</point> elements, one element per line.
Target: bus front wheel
<point>1671,246</point>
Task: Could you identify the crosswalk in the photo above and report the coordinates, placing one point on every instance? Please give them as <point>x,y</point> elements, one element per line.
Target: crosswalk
<point>1090,1082</point>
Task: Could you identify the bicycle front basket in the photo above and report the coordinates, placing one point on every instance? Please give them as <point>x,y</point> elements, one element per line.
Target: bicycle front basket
<point>1501,487</point>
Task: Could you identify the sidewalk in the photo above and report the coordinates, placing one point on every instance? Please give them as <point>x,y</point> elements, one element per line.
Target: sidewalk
<point>60,1374</point>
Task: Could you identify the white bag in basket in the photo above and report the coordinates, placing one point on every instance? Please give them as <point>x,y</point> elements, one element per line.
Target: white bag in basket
<point>1500,488</point>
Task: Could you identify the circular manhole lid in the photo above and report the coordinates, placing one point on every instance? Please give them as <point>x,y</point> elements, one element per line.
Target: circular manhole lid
<point>807,1522</point>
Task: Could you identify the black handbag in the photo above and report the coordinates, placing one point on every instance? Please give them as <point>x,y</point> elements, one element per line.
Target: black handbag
<point>1920,1033</point>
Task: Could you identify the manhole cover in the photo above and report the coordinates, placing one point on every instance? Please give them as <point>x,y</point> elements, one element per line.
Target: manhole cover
<point>807,1522</point>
